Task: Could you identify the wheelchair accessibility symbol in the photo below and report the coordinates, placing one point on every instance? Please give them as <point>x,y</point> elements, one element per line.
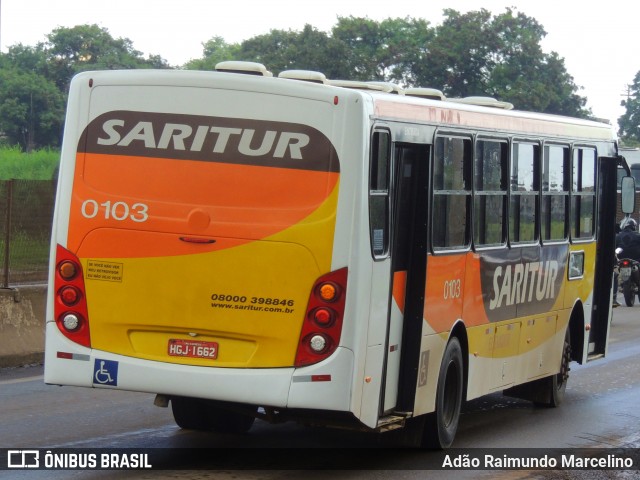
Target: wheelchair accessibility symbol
<point>105,372</point>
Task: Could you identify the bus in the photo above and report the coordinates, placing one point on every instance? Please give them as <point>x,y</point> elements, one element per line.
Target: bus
<point>342,254</point>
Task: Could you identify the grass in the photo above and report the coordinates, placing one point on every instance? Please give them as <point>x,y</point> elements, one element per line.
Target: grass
<point>37,165</point>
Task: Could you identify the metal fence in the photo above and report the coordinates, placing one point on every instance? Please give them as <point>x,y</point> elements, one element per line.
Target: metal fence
<point>26,213</point>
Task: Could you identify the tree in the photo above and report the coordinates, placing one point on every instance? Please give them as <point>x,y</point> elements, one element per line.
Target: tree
<point>356,49</point>
<point>34,80</point>
<point>309,49</point>
<point>478,54</point>
<point>387,51</point>
<point>31,109</point>
<point>215,50</point>
<point>368,55</point>
<point>25,58</point>
<point>524,75</point>
<point>474,53</point>
<point>629,122</point>
<point>90,47</point>
<point>460,55</point>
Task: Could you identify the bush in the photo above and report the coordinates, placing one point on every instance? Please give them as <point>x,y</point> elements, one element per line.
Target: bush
<point>37,165</point>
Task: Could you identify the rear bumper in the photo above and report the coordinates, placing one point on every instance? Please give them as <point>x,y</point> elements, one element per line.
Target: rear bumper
<point>324,386</point>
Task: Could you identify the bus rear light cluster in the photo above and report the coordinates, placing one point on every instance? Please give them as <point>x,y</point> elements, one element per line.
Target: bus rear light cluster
<point>322,326</point>
<point>70,306</point>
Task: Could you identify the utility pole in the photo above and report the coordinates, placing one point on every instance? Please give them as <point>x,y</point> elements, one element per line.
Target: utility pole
<point>623,94</point>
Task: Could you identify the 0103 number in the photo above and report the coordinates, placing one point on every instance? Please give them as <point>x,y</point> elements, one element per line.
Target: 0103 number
<point>452,289</point>
<point>120,211</point>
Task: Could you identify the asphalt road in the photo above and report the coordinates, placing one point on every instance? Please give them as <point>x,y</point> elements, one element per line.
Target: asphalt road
<point>600,410</point>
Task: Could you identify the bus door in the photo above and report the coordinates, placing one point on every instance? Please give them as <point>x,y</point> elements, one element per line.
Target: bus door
<point>408,268</point>
<point>600,320</point>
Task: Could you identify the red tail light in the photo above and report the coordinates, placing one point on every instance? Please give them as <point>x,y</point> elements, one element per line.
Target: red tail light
<point>322,327</point>
<point>70,305</point>
<point>626,263</point>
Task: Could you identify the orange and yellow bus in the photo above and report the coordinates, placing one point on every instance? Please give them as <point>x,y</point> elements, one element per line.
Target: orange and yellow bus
<point>337,253</point>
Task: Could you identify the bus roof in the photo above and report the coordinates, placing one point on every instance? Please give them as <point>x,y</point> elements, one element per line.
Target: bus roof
<point>387,103</point>
<point>456,113</point>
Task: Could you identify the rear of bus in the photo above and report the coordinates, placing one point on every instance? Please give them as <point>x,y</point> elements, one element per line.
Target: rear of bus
<point>193,242</point>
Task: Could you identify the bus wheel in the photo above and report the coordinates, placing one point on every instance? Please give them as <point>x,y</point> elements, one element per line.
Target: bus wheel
<point>208,415</point>
<point>226,421</point>
<point>189,413</point>
<point>441,425</point>
<point>556,385</point>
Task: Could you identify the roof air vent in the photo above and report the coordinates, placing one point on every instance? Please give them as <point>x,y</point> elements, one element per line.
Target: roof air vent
<point>304,75</point>
<point>247,68</point>
<point>355,84</point>
<point>430,93</point>
<point>389,87</point>
<point>484,102</point>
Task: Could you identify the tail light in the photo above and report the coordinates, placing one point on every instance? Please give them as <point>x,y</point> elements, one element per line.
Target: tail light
<point>322,327</point>
<point>625,263</point>
<point>70,304</point>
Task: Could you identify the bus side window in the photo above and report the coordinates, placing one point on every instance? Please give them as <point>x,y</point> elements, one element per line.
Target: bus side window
<point>451,193</point>
<point>379,178</point>
<point>555,192</point>
<point>490,188</point>
<point>583,193</point>
<point>524,192</point>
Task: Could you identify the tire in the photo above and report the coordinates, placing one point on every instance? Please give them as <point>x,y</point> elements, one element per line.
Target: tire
<point>227,421</point>
<point>441,425</point>
<point>628,293</point>
<point>208,415</point>
<point>189,413</point>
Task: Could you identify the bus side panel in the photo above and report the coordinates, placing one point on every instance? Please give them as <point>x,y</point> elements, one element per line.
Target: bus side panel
<point>514,306</point>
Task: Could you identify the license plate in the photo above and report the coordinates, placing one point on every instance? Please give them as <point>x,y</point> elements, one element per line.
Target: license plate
<point>192,349</point>
<point>625,273</point>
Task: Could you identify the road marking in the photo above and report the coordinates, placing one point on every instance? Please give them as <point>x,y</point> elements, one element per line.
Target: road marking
<point>146,433</point>
<point>22,380</point>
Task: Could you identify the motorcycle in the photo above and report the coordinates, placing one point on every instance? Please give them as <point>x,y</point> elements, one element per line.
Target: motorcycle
<point>628,278</point>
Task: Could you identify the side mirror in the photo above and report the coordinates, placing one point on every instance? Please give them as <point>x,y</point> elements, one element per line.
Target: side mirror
<point>628,194</point>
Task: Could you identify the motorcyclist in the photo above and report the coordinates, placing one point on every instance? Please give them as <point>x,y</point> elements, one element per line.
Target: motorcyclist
<point>629,241</point>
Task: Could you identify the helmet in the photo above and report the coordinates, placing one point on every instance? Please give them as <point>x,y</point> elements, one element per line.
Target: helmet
<point>628,224</point>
